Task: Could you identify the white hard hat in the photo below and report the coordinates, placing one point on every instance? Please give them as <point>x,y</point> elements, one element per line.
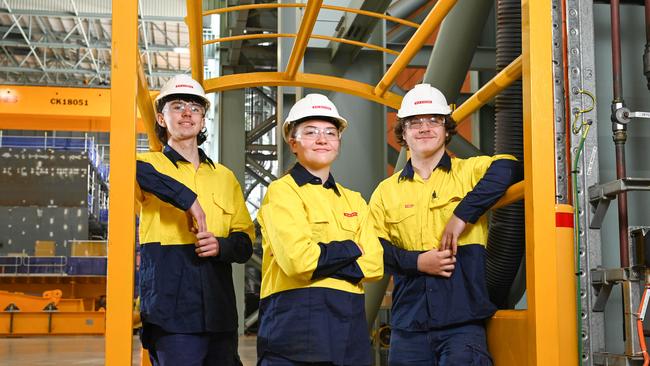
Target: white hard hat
<point>312,105</point>
<point>423,99</point>
<point>182,84</point>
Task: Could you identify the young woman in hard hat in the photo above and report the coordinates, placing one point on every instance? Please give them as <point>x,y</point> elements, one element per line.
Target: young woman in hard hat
<point>429,218</point>
<point>193,225</point>
<point>319,248</point>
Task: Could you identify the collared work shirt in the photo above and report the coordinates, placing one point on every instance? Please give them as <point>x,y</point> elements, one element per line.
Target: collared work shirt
<point>410,215</point>
<point>312,307</point>
<point>180,291</point>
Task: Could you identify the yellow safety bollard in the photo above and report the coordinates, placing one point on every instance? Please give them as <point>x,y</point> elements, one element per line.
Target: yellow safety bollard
<point>567,321</point>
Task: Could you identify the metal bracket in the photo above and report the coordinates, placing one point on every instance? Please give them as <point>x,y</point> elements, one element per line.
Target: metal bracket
<point>602,280</point>
<point>611,359</point>
<point>638,115</point>
<point>600,195</point>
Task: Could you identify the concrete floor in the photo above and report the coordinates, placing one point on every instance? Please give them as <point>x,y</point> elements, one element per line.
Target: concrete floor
<point>81,350</point>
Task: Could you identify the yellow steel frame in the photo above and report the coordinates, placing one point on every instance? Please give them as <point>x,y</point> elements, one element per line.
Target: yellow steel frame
<point>536,336</point>
<point>291,35</point>
<point>44,108</point>
<point>426,29</point>
<point>324,6</point>
<point>121,222</point>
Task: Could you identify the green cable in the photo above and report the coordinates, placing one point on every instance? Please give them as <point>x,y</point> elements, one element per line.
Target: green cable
<point>576,213</point>
<point>576,237</point>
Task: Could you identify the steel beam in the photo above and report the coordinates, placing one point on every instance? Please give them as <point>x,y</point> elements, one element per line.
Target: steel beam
<point>302,38</point>
<point>357,27</point>
<point>491,89</point>
<point>430,24</point>
<point>57,109</point>
<point>121,223</point>
<point>194,22</point>
<point>146,108</point>
<point>542,249</point>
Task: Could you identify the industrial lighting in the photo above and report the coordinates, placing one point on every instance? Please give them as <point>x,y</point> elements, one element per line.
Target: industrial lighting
<point>182,50</point>
<point>8,96</point>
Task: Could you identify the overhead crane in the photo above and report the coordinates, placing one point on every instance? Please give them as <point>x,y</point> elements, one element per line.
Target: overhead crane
<point>542,334</point>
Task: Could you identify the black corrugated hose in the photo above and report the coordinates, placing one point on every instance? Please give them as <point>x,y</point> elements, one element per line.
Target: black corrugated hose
<point>506,240</point>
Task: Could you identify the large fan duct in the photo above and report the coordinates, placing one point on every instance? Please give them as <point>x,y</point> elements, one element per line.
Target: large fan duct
<point>506,240</point>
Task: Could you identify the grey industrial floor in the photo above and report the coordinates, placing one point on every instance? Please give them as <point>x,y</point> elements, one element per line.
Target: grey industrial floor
<point>81,350</point>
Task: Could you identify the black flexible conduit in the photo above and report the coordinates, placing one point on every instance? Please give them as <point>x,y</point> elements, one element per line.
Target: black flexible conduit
<point>506,240</point>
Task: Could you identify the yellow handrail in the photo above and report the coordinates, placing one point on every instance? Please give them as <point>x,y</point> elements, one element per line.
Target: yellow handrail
<point>493,87</point>
<point>430,23</point>
<point>328,7</point>
<point>302,38</point>
<point>292,35</point>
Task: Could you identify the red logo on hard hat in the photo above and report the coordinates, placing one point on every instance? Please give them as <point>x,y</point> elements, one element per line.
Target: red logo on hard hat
<point>184,86</point>
<point>350,214</point>
<point>423,102</point>
<point>321,107</point>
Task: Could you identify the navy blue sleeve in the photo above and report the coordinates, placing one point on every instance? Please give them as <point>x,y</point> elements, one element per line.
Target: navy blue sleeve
<point>351,273</point>
<point>399,261</point>
<point>236,248</point>
<point>335,256</point>
<point>164,187</point>
<point>498,178</point>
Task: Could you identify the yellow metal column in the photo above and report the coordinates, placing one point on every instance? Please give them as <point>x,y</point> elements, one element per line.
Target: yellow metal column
<point>121,224</point>
<point>194,20</point>
<point>539,150</point>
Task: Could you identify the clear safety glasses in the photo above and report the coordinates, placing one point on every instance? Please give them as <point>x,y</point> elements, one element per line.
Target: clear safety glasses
<point>416,123</point>
<point>314,133</point>
<point>178,106</point>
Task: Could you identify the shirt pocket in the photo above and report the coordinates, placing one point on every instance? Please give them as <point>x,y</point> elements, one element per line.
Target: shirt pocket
<point>402,226</point>
<point>221,215</point>
<point>441,211</point>
<point>318,225</point>
<point>349,228</point>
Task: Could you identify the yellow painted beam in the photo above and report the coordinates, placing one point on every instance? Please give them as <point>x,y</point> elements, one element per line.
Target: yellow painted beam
<point>146,108</point>
<point>542,270</point>
<point>247,80</point>
<point>194,21</point>
<point>507,341</point>
<point>300,45</point>
<point>493,87</point>
<point>413,46</point>
<point>567,320</point>
<point>121,221</point>
<point>513,194</point>
<point>365,91</point>
<point>44,108</point>
<point>325,6</point>
<point>55,323</point>
<point>292,35</point>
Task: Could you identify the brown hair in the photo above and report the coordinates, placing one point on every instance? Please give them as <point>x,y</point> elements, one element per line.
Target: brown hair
<point>450,129</point>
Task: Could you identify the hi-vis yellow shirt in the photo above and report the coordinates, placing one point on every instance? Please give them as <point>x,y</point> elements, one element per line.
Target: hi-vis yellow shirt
<point>412,212</point>
<point>295,218</point>
<point>177,184</point>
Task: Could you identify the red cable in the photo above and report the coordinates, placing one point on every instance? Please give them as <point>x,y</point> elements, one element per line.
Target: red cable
<point>639,325</point>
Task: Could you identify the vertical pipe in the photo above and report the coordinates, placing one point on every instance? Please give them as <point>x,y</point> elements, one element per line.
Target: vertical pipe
<point>619,129</point>
<point>616,50</point>
<point>619,140</point>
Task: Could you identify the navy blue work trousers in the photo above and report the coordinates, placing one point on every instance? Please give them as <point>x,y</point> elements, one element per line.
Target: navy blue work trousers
<point>270,359</point>
<point>202,349</point>
<point>461,345</point>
